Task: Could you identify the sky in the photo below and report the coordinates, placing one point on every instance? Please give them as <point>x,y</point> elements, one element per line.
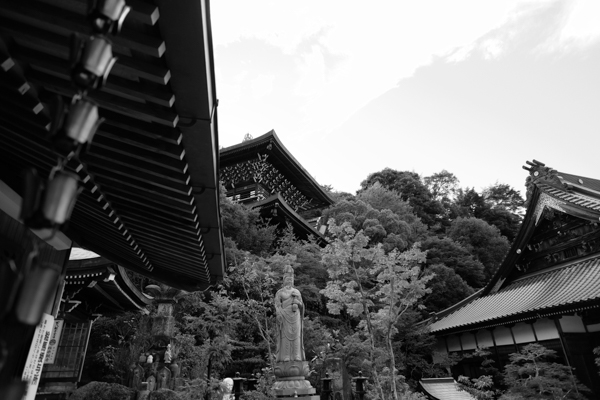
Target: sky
<point>473,87</point>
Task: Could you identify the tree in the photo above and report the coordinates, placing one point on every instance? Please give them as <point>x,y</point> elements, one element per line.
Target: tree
<point>310,275</point>
<point>499,205</point>
<point>256,277</point>
<point>387,220</point>
<point>505,196</point>
<point>486,386</point>
<point>245,227</point>
<point>469,203</point>
<point>442,185</point>
<point>447,288</point>
<point>409,186</point>
<point>481,388</point>
<point>365,281</point>
<point>530,375</point>
<point>116,342</point>
<point>455,256</point>
<point>381,198</point>
<point>482,240</point>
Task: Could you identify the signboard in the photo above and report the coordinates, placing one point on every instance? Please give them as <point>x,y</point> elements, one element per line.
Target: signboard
<point>36,356</point>
<point>54,340</point>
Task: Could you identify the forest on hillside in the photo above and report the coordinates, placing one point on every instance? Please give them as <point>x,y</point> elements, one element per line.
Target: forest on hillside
<point>402,247</point>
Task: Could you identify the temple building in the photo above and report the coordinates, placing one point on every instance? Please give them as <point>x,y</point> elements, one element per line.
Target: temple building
<point>547,289</point>
<point>93,287</point>
<point>109,142</point>
<point>263,174</point>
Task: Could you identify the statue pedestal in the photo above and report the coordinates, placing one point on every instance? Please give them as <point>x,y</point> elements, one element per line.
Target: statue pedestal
<point>291,382</point>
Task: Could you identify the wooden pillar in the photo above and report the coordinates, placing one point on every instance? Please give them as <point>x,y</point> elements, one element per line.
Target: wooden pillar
<point>565,348</point>
<point>512,335</point>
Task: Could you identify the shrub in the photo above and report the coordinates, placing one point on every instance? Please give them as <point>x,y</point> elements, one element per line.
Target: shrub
<point>163,394</point>
<point>103,391</point>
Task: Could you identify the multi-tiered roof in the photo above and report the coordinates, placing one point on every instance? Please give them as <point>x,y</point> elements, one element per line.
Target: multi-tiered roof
<point>263,173</point>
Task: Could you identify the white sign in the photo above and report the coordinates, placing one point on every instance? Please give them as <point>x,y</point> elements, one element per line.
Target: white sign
<point>37,353</point>
<point>54,341</point>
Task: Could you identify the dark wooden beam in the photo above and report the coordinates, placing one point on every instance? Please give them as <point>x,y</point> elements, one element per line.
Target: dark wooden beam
<point>145,112</point>
<point>152,194</point>
<point>124,197</point>
<point>172,170</point>
<point>61,22</point>
<point>12,110</point>
<point>135,177</point>
<point>124,137</point>
<point>183,244</point>
<point>159,223</point>
<point>163,230</point>
<point>141,92</point>
<point>109,142</point>
<point>140,10</point>
<point>39,42</point>
<point>159,176</point>
<point>149,130</point>
<point>182,255</point>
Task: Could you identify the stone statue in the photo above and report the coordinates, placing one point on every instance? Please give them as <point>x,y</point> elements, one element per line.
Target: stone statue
<point>164,377</point>
<point>290,316</point>
<point>168,354</point>
<point>227,386</point>
<point>150,359</point>
<point>291,367</point>
<point>137,374</point>
<point>151,383</point>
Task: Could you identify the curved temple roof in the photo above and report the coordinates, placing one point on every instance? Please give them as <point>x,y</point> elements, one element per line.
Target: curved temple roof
<point>149,179</point>
<point>275,208</point>
<point>270,145</point>
<point>101,286</point>
<point>573,285</point>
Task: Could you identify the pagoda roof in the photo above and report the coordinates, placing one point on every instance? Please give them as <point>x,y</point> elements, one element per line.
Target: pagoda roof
<point>149,179</point>
<point>279,156</point>
<point>98,286</point>
<point>284,214</point>
<point>513,295</point>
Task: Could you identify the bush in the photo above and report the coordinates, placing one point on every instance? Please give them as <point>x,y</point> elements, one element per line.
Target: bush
<point>103,391</point>
<point>163,394</point>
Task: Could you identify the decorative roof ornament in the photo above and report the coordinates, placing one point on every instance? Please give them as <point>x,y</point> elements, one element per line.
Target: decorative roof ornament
<point>539,172</point>
<point>547,202</point>
<point>247,137</point>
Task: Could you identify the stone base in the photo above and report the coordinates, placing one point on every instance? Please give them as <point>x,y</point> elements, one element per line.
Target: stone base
<point>292,392</point>
<point>291,369</point>
<point>291,382</point>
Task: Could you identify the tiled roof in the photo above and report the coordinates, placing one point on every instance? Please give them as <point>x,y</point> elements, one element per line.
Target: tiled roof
<point>590,183</point>
<point>572,197</point>
<point>568,285</point>
<point>444,389</point>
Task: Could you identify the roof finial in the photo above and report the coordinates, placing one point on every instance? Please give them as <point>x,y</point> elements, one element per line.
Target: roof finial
<point>247,137</point>
<point>538,171</point>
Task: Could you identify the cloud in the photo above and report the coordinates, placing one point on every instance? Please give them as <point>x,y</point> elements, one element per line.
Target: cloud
<point>537,27</point>
<point>483,109</point>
